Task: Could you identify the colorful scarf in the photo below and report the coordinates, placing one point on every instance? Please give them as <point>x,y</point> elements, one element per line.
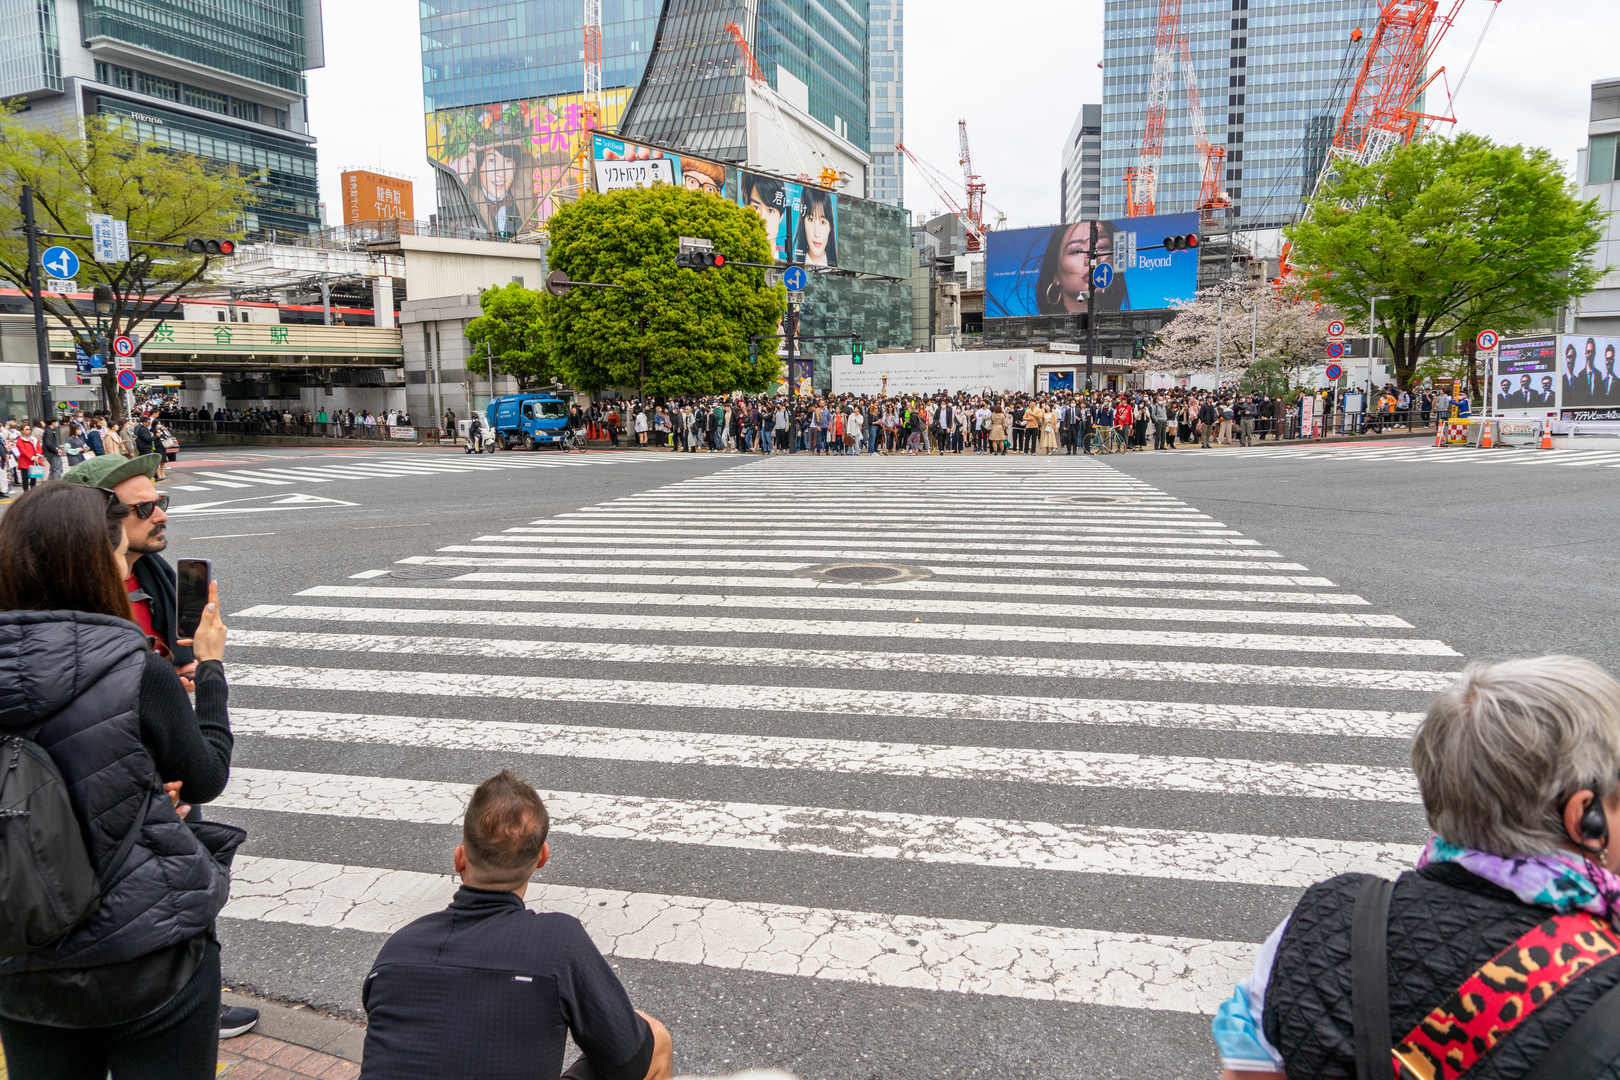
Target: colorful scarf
<point>1562,882</point>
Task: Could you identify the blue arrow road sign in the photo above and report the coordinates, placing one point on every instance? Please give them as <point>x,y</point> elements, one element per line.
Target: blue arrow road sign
<point>1102,276</point>
<point>794,278</point>
<point>61,262</point>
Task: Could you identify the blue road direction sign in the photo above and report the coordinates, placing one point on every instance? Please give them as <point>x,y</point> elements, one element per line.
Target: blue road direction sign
<point>88,363</point>
<point>794,278</point>
<point>1102,276</point>
<point>60,261</point>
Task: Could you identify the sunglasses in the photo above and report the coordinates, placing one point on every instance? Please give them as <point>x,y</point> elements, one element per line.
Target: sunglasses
<point>142,510</point>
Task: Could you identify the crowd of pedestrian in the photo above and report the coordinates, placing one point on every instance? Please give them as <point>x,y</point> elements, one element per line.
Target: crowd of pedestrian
<point>259,420</point>
<point>1041,424</point>
<point>33,451</point>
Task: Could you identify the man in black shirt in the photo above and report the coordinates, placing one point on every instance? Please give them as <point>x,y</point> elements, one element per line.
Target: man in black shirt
<point>490,989</point>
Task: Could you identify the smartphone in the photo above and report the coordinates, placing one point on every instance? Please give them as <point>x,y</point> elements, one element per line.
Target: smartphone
<point>191,595</point>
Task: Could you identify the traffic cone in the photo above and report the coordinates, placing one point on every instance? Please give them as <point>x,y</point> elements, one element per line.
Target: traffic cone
<point>1440,432</point>
<point>1485,435</point>
<point>1546,436</point>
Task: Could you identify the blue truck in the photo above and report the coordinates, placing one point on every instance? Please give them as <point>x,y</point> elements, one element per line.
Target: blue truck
<point>529,421</point>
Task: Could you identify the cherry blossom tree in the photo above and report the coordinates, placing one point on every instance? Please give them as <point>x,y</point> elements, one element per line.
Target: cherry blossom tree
<point>1258,322</point>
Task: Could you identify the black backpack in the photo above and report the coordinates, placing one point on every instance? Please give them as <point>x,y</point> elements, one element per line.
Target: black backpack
<point>47,883</point>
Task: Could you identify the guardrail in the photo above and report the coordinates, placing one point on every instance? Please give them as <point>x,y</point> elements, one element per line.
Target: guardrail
<point>244,430</point>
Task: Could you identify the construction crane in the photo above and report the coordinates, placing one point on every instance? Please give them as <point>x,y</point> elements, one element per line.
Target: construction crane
<point>1380,113</point>
<point>1142,179</point>
<point>972,230</point>
<point>593,66</point>
<point>756,75</point>
<point>1211,158</point>
<point>971,182</point>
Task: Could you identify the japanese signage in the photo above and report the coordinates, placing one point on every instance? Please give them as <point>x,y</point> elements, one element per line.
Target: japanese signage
<point>371,196</point>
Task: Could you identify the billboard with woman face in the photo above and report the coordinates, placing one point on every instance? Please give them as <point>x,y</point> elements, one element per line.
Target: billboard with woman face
<point>1048,270</point>
<point>801,221</point>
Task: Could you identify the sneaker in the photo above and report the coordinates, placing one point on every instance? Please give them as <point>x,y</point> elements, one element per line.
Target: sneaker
<point>236,1020</point>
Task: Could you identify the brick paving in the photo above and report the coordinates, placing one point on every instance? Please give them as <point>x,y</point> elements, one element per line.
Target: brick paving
<point>257,1057</point>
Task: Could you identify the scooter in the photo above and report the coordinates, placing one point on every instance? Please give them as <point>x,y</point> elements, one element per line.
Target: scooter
<point>482,443</point>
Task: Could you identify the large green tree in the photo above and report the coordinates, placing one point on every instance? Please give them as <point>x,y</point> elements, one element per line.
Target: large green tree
<point>697,324</point>
<point>509,329</point>
<point>1459,234</point>
<point>93,166</point>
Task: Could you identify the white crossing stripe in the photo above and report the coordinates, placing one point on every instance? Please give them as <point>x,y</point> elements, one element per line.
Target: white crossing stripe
<point>1000,708</point>
<point>785,581</point>
<point>676,624</point>
<point>244,474</point>
<point>1043,963</point>
<point>1074,551</point>
<point>1076,768</point>
<point>1003,609</point>
<point>797,562</point>
<point>1235,858</point>
<point>762,550</point>
<point>1110,534</point>
<point>855,660</point>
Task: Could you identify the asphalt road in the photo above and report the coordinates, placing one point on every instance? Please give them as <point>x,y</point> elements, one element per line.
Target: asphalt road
<point>1027,814</point>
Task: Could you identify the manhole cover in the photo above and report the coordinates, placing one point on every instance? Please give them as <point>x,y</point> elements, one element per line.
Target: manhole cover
<point>1094,500</point>
<point>430,571</point>
<point>863,573</point>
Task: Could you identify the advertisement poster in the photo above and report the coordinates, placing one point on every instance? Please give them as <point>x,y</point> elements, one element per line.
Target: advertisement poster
<point>800,220</point>
<point>372,196</point>
<point>977,371</point>
<point>1526,377</point>
<point>623,164</point>
<point>1047,270</point>
<point>1588,386</point>
<point>514,160</point>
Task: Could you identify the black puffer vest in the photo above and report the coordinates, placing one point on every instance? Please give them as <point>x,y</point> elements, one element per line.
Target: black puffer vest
<point>1444,924</point>
<point>83,672</point>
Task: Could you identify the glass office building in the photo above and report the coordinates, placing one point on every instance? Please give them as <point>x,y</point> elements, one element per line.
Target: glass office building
<point>1273,76</point>
<point>224,82</point>
<point>886,57</point>
<point>822,43</point>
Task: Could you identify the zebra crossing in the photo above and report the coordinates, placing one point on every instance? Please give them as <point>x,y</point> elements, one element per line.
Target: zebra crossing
<point>1603,457</point>
<point>777,710</point>
<point>397,465</point>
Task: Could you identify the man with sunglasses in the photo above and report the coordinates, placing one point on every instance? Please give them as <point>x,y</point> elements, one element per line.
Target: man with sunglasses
<point>151,584</point>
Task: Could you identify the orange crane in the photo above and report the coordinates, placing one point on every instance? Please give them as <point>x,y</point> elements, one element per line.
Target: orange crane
<point>971,181</point>
<point>1211,158</point>
<point>1142,179</point>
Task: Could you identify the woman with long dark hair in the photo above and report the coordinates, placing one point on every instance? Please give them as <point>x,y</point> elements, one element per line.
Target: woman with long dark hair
<point>1063,284</point>
<point>133,989</point>
<point>815,239</point>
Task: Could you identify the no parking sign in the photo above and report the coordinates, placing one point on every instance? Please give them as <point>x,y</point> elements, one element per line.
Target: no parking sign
<point>126,379</point>
<point>1334,372</point>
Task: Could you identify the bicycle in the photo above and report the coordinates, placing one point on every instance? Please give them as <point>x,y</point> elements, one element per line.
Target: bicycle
<point>1109,440</point>
<point>573,441</point>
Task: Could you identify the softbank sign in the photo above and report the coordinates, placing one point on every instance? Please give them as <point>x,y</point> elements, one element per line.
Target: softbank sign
<point>1048,271</point>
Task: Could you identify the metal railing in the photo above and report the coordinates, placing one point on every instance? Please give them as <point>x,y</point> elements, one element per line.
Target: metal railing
<point>276,427</point>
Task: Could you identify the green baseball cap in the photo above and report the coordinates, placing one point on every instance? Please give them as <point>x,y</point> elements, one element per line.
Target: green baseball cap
<point>110,470</point>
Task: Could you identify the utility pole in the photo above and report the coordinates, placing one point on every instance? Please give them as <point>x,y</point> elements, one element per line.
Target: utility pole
<point>47,407</point>
<point>1218,300</point>
<point>1091,304</point>
<point>791,326</point>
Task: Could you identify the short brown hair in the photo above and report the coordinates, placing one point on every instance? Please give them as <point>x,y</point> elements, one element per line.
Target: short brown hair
<point>505,828</point>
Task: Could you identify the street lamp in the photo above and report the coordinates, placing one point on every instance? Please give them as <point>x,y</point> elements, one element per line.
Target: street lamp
<point>1372,321</point>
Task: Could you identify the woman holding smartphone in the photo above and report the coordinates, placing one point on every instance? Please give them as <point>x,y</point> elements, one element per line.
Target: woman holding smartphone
<point>134,988</point>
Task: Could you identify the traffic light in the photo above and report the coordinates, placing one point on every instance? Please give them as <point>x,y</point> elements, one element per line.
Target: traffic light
<point>699,260</point>
<point>199,246</point>
<point>753,350</point>
<point>855,355</point>
<point>1181,243</point>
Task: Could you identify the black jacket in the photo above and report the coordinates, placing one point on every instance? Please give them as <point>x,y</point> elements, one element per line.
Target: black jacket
<point>157,579</point>
<point>82,674</point>
<point>1207,414</point>
<point>144,440</point>
<point>1444,924</point>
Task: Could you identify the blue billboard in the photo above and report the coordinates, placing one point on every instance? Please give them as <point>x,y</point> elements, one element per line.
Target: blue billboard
<point>1047,270</point>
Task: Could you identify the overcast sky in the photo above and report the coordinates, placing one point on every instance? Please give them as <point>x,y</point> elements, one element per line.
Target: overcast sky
<point>1018,81</point>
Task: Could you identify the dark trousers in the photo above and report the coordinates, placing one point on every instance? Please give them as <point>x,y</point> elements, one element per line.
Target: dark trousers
<point>178,1042</point>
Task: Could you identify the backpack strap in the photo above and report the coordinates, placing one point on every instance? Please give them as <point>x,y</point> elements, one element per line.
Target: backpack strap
<point>128,842</point>
<point>1369,980</point>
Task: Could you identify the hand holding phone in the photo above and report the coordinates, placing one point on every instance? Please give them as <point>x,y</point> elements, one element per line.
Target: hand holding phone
<point>191,595</point>
<point>208,639</point>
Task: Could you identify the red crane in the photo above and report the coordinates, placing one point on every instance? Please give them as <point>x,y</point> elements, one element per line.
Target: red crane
<point>1211,158</point>
<point>974,186</point>
<point>1142,179</point>
<point>972,231</point>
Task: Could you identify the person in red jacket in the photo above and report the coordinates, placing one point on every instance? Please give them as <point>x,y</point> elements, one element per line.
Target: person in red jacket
<point>28,454</point>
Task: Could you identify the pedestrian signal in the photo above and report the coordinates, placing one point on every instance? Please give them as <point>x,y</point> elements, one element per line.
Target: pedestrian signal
<point>699,260</point>
<point>200,246</point>
<point>856,354</point>
<point>1181,243</point>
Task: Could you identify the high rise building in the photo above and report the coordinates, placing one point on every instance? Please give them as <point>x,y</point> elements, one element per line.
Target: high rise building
<point>1080,191</point>
<point>1273,76</point>
<point>224,82</point>
<point>503,88</point>
<point>886,57</point>
<point>1597,168</point>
